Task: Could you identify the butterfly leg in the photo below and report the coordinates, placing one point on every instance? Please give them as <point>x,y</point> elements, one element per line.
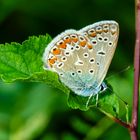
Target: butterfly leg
<point>97,97</point>
<point>87,103</point>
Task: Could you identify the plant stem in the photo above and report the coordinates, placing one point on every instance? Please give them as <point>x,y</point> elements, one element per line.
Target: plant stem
<point>134,122</point>
<point>119,121</point>
<point>122,123</point>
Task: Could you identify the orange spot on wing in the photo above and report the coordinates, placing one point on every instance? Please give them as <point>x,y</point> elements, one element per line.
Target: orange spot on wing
<point>105,30</point>
<point>99,31</point>
<point>75,39</point>
<point>89,46</point>
<point>52,61</point>
<point>63,45</point>
<point>82,43</point>
<point>113,32</point>
<point>67,40</point>
<point>93,34</point>
<point>56,51</point>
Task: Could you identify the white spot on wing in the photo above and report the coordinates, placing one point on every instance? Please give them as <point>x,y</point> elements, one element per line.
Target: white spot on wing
<point>86,55</point>
<point>60,65</point>
<point>79,61</point>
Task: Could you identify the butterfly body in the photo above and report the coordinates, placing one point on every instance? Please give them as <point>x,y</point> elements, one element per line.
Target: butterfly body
<point>82,58</point>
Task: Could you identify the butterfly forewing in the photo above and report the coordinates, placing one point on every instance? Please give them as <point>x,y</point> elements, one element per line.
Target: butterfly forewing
<point>64,56</point>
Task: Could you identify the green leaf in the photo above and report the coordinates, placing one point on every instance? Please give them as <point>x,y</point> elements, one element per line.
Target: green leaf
<point>24,62</point>
<point>49,77</point>
<point>107,102</point>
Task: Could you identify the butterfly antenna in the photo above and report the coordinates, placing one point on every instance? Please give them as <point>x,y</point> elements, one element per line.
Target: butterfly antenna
<point>126,105</point>
<point>118,96</point>
<point>125,69</point>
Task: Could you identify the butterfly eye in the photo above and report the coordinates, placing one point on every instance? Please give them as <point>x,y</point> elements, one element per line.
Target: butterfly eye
<point>102,87</point>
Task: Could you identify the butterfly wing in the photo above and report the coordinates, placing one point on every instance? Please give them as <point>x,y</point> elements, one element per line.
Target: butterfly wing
<point>63,55</point>
<point>103,36</point>
<point>80,58</point>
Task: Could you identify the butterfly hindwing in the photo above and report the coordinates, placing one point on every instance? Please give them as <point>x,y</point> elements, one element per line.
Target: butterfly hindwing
<point>103,36</point>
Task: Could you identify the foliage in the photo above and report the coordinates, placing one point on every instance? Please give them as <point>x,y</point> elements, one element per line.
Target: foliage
<point>29,108</point>
<point>23,62</point>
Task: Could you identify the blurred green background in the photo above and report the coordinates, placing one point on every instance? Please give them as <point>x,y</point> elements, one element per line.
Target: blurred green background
<point>34,111</point>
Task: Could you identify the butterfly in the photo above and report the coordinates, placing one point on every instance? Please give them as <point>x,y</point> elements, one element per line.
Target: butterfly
<point>82,58</point>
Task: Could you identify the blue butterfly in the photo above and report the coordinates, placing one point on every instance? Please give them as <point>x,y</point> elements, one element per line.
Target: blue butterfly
<point>82,58</point>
